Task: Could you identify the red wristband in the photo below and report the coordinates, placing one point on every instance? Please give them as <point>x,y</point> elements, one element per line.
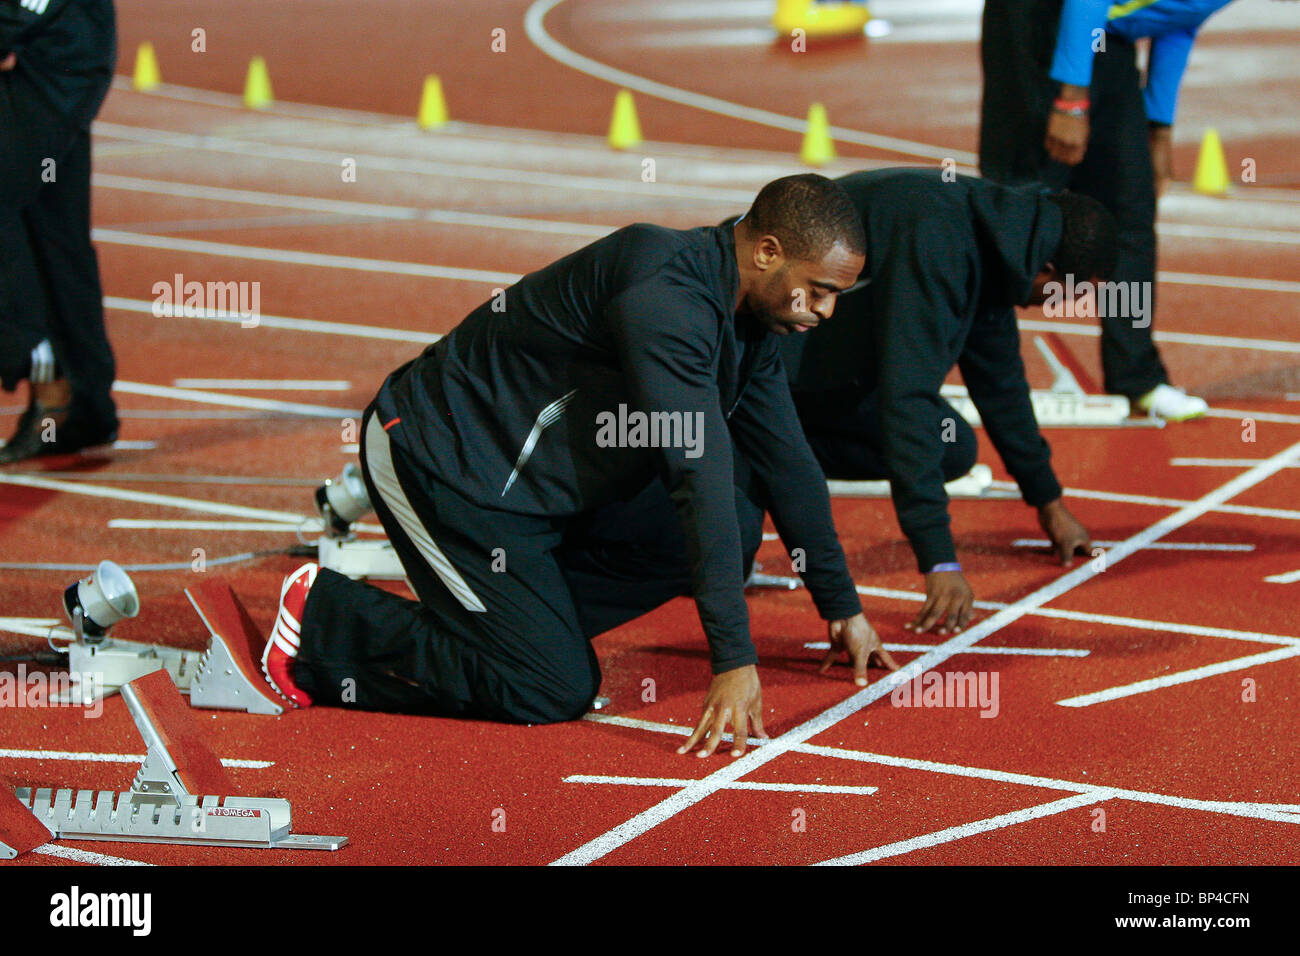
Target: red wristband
<point>1071,106</point>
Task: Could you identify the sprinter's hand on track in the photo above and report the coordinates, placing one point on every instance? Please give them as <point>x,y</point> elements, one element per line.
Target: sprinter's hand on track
<point>1068,536</point>
<point>735,697</point>
<point>949,603</point>
<point>862,643</point>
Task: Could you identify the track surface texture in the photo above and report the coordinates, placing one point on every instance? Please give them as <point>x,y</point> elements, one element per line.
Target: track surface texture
<point>1147,699</point>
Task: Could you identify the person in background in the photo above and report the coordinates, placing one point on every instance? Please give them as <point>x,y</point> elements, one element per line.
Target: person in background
<point>56,63</point>
<point>1065,104</point>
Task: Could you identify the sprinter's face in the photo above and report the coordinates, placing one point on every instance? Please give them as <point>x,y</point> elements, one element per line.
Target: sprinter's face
<point>794,295</point>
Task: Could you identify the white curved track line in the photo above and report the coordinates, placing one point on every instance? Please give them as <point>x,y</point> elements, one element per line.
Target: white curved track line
<point>536,31</point>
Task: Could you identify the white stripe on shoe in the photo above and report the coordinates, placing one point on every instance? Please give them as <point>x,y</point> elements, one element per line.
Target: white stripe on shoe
<point>379,465</point>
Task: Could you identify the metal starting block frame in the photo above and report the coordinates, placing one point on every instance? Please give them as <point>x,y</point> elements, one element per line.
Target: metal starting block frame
<point>373,558</point>
<point>164,804</point>
<point>1065,404</point>
<point>225,676</point>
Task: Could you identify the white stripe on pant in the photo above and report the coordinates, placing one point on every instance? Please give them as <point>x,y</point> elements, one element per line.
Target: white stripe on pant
<point>379,465</point>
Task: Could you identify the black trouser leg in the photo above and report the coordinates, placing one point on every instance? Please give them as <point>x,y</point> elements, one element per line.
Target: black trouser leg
<point>1117,172</point>
<point>846,437</point>
<point>49,275</point>
<point>494,633</point>
<point>630,557</point>
<point>58,223</point>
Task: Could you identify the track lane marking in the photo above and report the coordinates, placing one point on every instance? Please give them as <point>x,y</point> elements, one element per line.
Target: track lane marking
<point>1274,812</point>
<point>537,33</point>
<point>630,829</point>
<point>1179,677</point>
<point>87,856</point>
<point>737,785</point>
<point>963,830</point>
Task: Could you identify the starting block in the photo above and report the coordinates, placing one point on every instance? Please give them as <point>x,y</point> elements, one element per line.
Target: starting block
<point>758,581</point>
<point>1066,404</point>
<point>977,483</point>
<point>172,797</point>
<point>226,676</point>
<point>19,830</point>
<point>373,558</point>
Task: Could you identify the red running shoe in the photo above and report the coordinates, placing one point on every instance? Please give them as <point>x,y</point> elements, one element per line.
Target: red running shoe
<point>282,646</point>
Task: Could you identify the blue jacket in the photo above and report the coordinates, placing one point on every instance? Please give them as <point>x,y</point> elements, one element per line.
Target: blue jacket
<point>1171,25</point>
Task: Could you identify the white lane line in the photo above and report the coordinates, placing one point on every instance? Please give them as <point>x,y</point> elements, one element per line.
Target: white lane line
<point>86,856</point>
<point>117,758</point>
<point>697,791</point>
<point>303,526</point>
<point>978,649</point>
<point>536,30</point>
<point>1238,808</point>
<point>1189,231</point>
<point>298,258</point>
<point>1229,282</point>
<point>1158,546</point>
<point>265,384</point>
<point>149,498</point>
<point>419,337</point>
<point>964,830</point>
<point>1179,338</point>
<point>237,401</point>
<point>1094,618</point>
<point>1286,513</point>
<point>631,185</point>
<point>1179,677</point>
<point>134,445</point>
<point>738,785</point>
<point>1194,629</point>
<point>1278,812</point>
<point>284,322</point>
<point>450,217</point>
<point>1238,413</point>
<point>1290,577</point>
<point>282,527</point>
<point>1085,793</point>
<point>1217,462</point>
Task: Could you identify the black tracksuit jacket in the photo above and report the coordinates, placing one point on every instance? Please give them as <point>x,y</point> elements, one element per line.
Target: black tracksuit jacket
<point>505,409</point>
<point>946,261</point>
<point>68,48</point>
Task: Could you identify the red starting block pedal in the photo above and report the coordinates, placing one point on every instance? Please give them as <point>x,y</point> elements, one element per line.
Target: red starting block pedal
<point>181,794</point>
<point>229,676</point>
<point>19,830</point>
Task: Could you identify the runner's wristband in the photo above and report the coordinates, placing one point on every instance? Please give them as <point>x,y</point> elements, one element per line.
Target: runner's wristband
<point>946,566</point>
<point>1072,107</point>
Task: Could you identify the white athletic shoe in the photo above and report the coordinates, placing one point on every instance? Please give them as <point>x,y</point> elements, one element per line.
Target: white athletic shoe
<point>1172,404</point>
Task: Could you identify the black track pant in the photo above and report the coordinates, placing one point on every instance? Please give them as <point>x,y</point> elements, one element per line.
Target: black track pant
<point>49,275</point>
<point>845,435</point>
<point>1017,45</point>
<point>507,603</point>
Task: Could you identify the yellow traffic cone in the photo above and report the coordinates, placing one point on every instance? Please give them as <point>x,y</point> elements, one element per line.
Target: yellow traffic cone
<point>1211,167</point>
<point>257,88</point>
<point>433,108</point>
<point>790,15</point>
<point>624,127</point>
<point>818,149</point>
<point>146,76</point>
